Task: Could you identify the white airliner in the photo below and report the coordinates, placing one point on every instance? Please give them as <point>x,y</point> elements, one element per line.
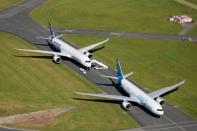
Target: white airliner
<point>152,101</point>
<point>82,56</point>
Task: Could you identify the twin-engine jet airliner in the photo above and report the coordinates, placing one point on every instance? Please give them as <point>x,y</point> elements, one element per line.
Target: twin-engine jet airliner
<point>152,101</point>
<point>82,56</point>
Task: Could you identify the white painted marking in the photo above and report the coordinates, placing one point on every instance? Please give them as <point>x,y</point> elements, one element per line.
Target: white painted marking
<point>69,30</point>
<point>116,33</point>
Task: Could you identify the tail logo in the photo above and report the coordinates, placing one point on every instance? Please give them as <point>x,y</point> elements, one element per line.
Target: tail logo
<point>119,71</point>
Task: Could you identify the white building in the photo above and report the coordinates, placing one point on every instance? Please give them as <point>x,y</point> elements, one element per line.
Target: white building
<point>181,19</point>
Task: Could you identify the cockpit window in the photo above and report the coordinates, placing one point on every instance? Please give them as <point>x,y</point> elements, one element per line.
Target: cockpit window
<point>87,61</point>
<point>159,109</point>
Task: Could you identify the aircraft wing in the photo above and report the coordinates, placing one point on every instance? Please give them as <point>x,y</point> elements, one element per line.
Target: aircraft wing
<point>87,48</point>
<point>47,52</point>
<point>115,97</point>
<point>165,90</point>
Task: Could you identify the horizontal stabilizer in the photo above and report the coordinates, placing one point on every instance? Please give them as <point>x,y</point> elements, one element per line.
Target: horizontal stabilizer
<point>45,38</point>
<point>59,36</point>
<point>111,77</point>
<point>127,75</point>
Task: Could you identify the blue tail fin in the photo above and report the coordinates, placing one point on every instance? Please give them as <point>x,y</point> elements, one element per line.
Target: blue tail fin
<point>119,70</point>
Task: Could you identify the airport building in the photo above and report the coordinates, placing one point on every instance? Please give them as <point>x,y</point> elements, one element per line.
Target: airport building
<point>181,19</point>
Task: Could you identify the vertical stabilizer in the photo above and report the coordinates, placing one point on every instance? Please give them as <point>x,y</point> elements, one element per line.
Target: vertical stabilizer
<point>51,30</point>
<point>119,70</point>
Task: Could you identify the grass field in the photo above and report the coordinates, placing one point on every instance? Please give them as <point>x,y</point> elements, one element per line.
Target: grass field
<point>193,31</point>
<point>32,84</point>
<point>124,15</point>
<point>8,3</point>
<point>155,64</point>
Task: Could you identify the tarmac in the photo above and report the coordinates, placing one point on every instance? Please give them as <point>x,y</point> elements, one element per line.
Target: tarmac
<point>130,34</point>
<point>16,20</point>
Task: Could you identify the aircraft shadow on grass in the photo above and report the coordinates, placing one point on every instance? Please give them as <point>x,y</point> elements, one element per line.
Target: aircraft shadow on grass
<point>98,100</point>
<point>30,56</point>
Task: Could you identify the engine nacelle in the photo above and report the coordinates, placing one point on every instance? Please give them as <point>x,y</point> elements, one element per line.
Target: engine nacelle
<point>88,54</point>
<point>126,105</point>
<point>57,59</point>
<point>161,101</point>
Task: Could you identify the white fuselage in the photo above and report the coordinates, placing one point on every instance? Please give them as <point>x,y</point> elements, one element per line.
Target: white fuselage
<point>74,53</point>
<point>145,99</point>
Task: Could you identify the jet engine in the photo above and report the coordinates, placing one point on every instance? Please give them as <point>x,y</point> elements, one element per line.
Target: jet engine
<point>57,59</point>
<point>88,54</point>
<point>161,101</point>
<point>126,105</point>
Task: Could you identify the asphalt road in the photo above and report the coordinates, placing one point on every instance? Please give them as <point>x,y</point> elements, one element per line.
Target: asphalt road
<point>16,20</point>
<point>165,127</point>
<point>128,34</point>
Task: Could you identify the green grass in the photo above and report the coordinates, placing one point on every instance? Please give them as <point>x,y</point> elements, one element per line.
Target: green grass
<point>119,15</point>
<point>7,3</point>
<point>193,31</point>
<point>32,84</point>
<point>155,64</point>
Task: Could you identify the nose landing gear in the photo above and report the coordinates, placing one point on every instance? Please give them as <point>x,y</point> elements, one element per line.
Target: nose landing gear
<point>83,70</point>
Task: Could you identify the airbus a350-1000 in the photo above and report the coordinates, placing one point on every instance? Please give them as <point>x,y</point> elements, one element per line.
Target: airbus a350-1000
<point>152,101</point>
<point>82,55</point>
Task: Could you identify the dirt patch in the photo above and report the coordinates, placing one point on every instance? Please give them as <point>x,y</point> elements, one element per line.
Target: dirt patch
<point>34,119</point>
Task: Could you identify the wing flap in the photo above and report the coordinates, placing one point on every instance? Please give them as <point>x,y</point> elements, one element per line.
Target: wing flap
<point>165,90</point>
<point>87,48</point>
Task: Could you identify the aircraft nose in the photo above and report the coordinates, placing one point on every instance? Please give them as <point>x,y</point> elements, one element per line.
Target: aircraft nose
<point>160,113</point>
<point>89,65</point>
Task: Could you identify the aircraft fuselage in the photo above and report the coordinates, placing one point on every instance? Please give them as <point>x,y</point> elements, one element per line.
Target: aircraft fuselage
<point>74,53</point>
<point>145,99</point>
